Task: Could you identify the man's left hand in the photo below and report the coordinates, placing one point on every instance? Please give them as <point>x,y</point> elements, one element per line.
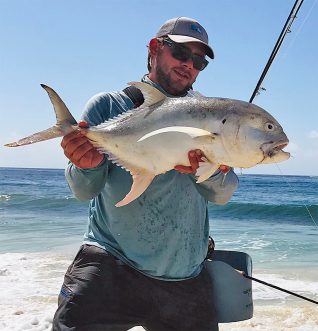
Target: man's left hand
<point>195,156</point>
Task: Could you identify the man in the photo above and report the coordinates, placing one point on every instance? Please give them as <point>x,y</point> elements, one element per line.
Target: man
<point>142,264</point>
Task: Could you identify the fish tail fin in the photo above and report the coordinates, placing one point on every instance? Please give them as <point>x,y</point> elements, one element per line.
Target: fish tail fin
<point>47,134</point>
<point>65,122</point>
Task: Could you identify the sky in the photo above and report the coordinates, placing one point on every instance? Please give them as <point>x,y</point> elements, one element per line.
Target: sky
<point>81,48</point>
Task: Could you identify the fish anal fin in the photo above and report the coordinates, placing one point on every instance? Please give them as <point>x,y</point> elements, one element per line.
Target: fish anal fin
<point>140,183</point>
<point>206,169</point>
<point>190,131</point>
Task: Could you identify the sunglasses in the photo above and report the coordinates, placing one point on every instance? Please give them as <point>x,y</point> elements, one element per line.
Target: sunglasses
<point>183,53</point>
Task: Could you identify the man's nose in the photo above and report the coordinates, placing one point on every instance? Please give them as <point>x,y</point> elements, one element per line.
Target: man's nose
<point>188,63</point>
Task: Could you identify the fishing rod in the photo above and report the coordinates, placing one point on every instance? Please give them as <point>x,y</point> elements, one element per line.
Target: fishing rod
<point>279,288</point>
<point>286,29</point>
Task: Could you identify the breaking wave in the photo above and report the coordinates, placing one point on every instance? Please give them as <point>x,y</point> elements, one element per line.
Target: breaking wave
<point>289,213</point>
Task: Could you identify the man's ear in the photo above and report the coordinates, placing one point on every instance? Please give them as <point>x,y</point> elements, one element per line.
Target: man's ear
<point>153,46</point>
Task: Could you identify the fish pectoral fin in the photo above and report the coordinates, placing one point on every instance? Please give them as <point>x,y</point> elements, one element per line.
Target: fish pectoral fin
<point>50,133</point>
<point>206,169</point>
<point>190,131</point>
<point>140,183</point>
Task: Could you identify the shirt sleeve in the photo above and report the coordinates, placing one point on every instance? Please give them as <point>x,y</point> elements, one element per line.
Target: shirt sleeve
<point>88,183</point>
<point>219,188</point>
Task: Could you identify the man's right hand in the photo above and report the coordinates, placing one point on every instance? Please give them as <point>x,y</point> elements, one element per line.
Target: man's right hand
<point>80,151</point>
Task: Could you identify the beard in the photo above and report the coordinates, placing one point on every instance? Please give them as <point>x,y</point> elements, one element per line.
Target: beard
<point>165,81</point>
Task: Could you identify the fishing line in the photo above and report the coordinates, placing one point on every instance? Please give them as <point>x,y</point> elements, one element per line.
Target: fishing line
<point>279,288</point>
<point>290,186</point>
<point>301,26</point>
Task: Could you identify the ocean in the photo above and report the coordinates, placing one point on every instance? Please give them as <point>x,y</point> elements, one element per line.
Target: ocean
<point>272,218</point>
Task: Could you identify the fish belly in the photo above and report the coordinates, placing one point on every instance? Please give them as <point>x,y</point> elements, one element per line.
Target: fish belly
<point>155,155</point>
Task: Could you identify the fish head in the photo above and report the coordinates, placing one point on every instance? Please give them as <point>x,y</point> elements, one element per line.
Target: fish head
<point>252,136</point>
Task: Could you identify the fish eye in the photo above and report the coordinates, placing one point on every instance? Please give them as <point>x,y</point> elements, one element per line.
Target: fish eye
<point>269,126</point>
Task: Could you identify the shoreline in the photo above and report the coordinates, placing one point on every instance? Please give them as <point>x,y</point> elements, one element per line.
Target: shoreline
<point>237,171</point>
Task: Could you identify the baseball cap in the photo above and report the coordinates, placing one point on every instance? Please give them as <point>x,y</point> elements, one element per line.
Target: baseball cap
<point>184,30</point>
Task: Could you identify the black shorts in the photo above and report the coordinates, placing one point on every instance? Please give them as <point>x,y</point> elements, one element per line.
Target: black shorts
<point>101,293</point>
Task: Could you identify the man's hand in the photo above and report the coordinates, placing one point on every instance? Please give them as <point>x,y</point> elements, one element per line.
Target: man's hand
<point>80,151</point>
<point>195,156</point>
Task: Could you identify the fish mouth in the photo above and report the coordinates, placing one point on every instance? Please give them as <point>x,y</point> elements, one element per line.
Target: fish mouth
<point>277,148</point>
<point>273,151</point>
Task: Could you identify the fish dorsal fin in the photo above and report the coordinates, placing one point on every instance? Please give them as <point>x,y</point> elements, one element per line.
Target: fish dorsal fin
<point>61,111</point>
<point>206,169</point>
<point>140,183</point>
<point>190,131</point>
<point>151,95</point>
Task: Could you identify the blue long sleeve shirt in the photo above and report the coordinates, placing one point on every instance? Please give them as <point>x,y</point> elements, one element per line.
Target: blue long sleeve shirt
<point>164,233</point>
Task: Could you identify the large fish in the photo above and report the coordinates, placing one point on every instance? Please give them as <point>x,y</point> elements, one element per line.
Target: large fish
<point>157,136</point>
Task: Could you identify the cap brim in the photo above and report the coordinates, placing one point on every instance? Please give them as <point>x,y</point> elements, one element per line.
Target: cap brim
<point>186,39</point>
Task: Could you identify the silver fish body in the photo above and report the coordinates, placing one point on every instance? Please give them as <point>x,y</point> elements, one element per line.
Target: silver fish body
<point>157,136</point>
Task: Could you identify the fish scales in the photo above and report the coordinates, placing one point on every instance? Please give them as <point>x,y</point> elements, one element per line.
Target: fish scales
<point>160,153</point>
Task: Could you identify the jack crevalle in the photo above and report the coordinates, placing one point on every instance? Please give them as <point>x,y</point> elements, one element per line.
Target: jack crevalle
<point>157,136</point>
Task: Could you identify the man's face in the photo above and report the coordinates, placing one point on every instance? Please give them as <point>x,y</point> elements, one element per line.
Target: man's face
<point>173,75</point>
